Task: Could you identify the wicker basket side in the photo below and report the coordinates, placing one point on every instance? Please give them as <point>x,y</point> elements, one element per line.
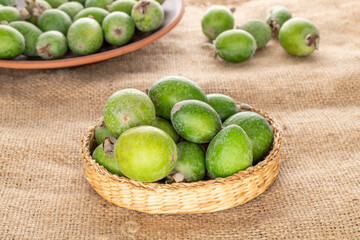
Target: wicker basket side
<point>180,198</point>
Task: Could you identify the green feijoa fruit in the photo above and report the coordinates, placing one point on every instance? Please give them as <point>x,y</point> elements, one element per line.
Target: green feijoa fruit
<point>36,8</point>
<point>85,36</point>
<point>118,28</point>
<point>125,6</point>
<point>93,12</point>
<point>1,5</point>
<point>30,33</point>
<point>229,152</point>
<point>276,16</point>
<point>9,14</point>
<point>216,20</point>
<point>172,89</point>
<point>224,105</point>
<point>258,130</point>
<point>98,3</point>
<point>56,3</point>
<point>12,42</point>
<point>104,155</point>
<point>166,126</point>
<point>259,30</point>
<point>159,1</point>
<point>101,132</point>
<point>148,15</point>
<point>51,45</point>
<point>5,3</point>
<point>235,45</point>
<point>54,19</point>
<point>195,121</point>
<point>190,166</point>
<point>299,37</point>
<point>79,1</point>
<point>145,153</point>
<point>71,8</point>
<point>128,108</point>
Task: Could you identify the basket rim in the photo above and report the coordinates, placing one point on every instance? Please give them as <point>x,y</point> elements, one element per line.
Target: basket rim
<point>277,143</point>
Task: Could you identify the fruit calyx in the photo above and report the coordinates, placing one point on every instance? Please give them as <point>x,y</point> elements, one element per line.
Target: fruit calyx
<point>117,31</point>
<point>143,6</point>
<point>36,10</point>
<point>109,146</point>
<point>44,50</point>
<point>311,40</point>
<point>275,27</point>
<point>232,9</point>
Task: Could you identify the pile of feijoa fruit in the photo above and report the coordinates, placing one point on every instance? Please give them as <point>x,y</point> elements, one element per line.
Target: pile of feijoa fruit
<point>48,28</point>
<point>177,133</point>
<point>298,36</point>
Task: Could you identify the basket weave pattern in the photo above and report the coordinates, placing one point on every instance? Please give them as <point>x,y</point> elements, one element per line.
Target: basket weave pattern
<point>178,198</point>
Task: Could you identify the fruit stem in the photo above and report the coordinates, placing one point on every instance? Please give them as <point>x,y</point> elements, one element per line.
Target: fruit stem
<point>211,48</point>
<point>275,27</point>
<point>109,146</point>
<point>244,107</point>
<point>311,40</point>
<point>179,177</point>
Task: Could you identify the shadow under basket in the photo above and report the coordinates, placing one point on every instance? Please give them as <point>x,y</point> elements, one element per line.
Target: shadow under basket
<point>180,198</point>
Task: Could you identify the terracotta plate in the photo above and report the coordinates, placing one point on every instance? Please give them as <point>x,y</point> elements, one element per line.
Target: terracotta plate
<point>174,10</point>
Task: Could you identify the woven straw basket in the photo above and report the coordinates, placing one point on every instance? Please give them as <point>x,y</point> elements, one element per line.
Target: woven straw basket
<point>180,198</point>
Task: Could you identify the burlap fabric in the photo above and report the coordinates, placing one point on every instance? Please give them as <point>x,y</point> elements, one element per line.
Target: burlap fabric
<point>43,191</point>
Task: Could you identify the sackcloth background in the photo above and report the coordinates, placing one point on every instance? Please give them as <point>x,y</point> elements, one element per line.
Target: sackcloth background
<point>43,114</point>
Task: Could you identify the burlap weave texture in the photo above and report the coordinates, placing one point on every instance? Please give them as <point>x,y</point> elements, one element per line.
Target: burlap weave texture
<point>43,114</point>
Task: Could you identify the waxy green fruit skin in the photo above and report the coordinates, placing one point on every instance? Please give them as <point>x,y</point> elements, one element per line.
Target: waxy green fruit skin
<point>79,1</point>
<point>279,14</point>
<point>148,15</point>
<point>170,90</point>
<point>159,1</point>
<point>259,30</point>
<point>235,45</point>
<point>5,3</point>
<point>195,121</point>
<point>293,37</point>
<point>98,3</point>
<point>12,43</point>
<point>191,161</point>
<point>224,105</point>
<point>258,130</point>
<point>54,19</point>
<point>127,108</point>
<point>71,8</point>
<point>125,6</point>
<point>108,162</point>
<point>30,33</point>
<point>146,153</point>
<point>85,36</point>
<point>166,126</point>
<point>51,45</point>
<point>9,14</point>
<point>97,14</point>
<point>118,28</point>
<point>55,3</point>
<point>229,152</point>
<point>216,20</point>
<point>101,132</point>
